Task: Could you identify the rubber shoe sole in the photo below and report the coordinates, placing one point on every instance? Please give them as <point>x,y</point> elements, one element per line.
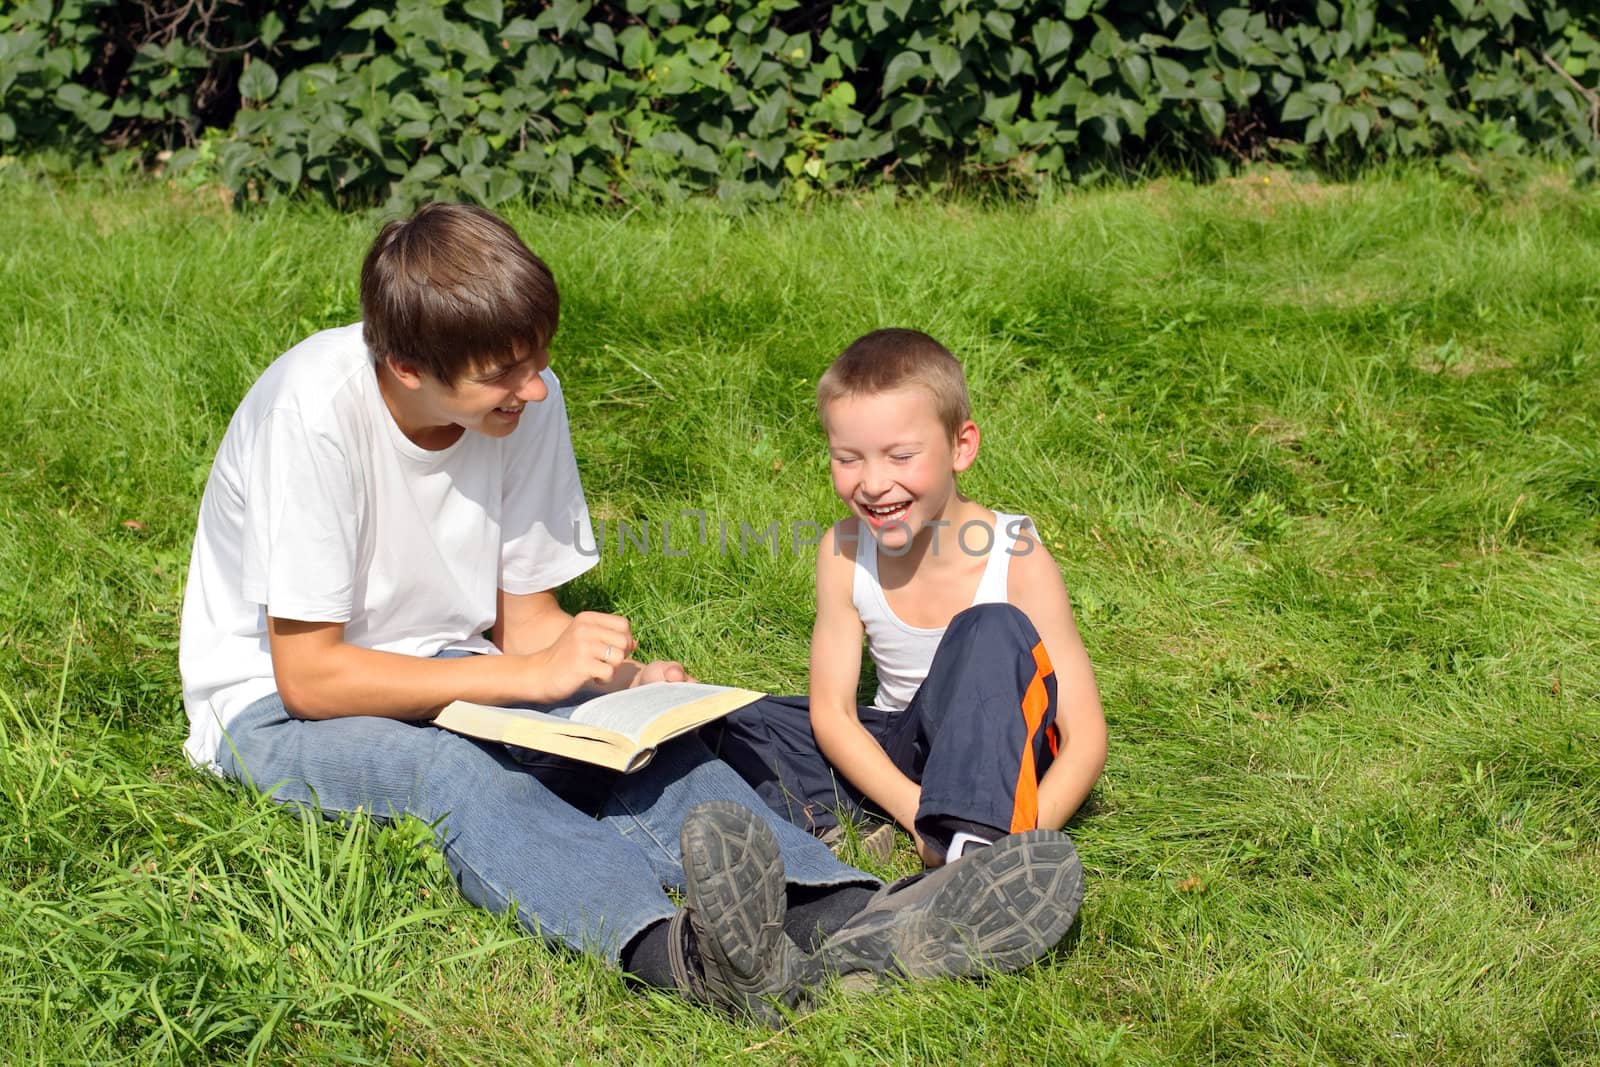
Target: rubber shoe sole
<point>877,845</point>
<point>997,909</point>
<point>734,892</point>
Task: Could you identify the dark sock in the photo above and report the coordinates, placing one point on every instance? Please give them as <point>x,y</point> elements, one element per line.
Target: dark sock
<point>815,911</point>
<point>645,958</point>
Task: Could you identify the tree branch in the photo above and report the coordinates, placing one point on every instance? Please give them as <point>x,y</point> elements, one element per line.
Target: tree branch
<point>1587,93</point>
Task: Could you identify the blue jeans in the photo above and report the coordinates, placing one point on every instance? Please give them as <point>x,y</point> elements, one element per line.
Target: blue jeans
<point>580,852</point>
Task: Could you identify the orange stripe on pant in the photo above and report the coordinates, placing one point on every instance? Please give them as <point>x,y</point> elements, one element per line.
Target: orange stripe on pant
<point>1035,702</point>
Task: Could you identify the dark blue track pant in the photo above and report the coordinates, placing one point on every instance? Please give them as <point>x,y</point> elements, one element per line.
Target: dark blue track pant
<point>978,736</point>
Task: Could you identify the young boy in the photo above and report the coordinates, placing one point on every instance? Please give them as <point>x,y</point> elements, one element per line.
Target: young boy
<point>385,525</point>
<point>965,617</point>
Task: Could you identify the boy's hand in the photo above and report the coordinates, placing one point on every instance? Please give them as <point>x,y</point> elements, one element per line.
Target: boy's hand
<point>589,650</point>
<point>931,857</point>
<point>661,670</point>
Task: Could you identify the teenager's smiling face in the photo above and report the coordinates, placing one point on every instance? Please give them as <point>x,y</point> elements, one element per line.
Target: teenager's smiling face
<point>488,398</point>
<point>894,463</point>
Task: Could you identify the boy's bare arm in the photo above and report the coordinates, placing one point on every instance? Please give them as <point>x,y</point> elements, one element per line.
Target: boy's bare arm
<point>835,673</point>
<point>322,676</point>
<point>1034,586</point>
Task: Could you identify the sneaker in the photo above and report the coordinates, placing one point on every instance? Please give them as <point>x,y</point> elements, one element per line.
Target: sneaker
<point>734,903</point>
<point>877,846</point>
<point>998,908</point>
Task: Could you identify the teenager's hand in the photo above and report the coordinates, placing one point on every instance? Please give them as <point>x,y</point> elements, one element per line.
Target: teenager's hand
<point>661,670</point>
<point>589,650</point>
<point>930,856</point>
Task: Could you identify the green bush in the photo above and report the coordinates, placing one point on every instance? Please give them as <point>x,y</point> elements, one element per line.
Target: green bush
<point>648,99</point>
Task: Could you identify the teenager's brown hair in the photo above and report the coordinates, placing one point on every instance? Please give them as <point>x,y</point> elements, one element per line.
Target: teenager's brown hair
<point>885,360</point>
<point>453,287</point>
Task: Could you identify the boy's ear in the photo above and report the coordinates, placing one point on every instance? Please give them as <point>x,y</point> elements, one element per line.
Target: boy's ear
<point>966,445</point>
<point>405,372</point>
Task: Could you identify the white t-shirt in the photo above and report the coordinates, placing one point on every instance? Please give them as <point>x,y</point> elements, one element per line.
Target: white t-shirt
<point>319,509</point>
<point>903,653</point>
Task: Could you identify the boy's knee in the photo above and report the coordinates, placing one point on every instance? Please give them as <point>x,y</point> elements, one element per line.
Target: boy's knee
<point>1005,620</point>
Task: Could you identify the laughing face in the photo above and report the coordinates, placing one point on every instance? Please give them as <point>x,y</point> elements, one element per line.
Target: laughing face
<point>894,463</point>
<point>488,398</point>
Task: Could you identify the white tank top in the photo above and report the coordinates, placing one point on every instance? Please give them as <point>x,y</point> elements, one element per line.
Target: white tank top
<point>904,653</point>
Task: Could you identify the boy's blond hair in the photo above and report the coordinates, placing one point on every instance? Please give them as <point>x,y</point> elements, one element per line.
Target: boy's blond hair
<point>885,360</point>
<point>453,287</point>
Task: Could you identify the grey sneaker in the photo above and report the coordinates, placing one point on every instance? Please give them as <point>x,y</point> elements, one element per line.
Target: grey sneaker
<point>878,845</point>
<point>734,900</point>
<point>997,908</point>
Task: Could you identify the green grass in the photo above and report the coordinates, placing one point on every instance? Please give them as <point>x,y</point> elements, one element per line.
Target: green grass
<point>1321,468</point>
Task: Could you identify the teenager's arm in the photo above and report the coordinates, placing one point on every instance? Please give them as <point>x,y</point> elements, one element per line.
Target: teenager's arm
<point>322,676</point>
<point>526,623</point>
<point>1034,585</point>
<point>835,673</point>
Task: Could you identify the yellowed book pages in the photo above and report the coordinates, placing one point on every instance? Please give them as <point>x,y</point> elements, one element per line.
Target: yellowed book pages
<point>619,730</point>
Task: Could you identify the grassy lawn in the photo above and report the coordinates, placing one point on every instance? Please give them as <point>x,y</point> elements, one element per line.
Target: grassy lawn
<point>1321,467</point>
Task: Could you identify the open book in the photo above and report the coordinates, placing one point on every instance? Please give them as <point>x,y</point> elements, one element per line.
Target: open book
<point>619,730</point>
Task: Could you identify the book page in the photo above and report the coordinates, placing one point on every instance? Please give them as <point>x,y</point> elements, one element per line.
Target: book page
<point>630,711</point>
<point>617,730</point>
<point>518,726</point>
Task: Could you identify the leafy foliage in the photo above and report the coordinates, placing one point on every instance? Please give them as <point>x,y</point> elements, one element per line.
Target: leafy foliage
<point>576,100</point>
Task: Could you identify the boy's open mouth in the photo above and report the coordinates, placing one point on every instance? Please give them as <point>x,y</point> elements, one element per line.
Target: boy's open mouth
<point>511,411</point>
<point>882,513</point>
